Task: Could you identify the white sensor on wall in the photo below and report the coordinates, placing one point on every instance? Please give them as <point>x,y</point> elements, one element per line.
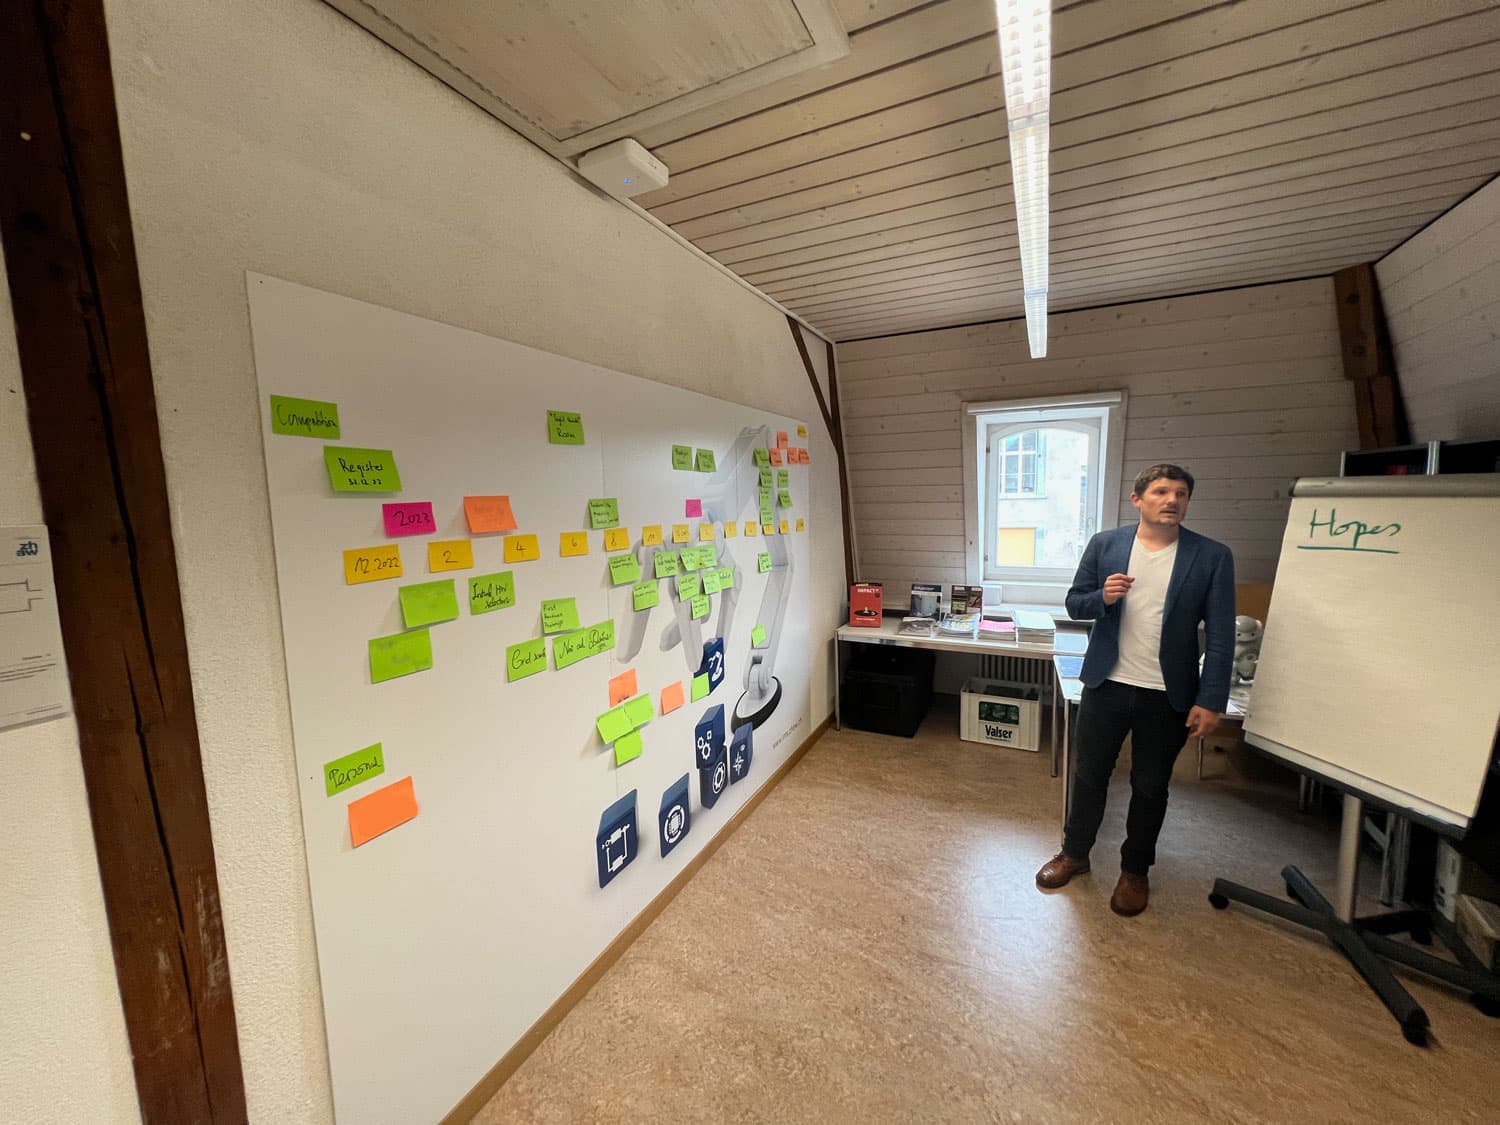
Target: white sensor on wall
<point>623,168</point>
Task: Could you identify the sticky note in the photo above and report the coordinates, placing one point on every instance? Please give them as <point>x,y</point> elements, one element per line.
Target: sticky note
<point>766,478</point>
<point>644,595</point>
<point>682,457</point>
<point>731,530</point>
<point>712,582</point>
<point>763,562</point>
<point>573,543</point>
<point>781,439</point>
<point>804,457</point>
<point>704,462</point>
<point>726,577</point>
<point>559,615</point>
<point>408,519</point>
<point>708,555</point>
<point>786,527</point>
<point>304,417</point>
<point>361,470</point>
<point>604,512</point>
<point>751,527</point>
<point>802,431</point>
<point>449,554</point>
<point>522,548</point>
<point>639,710</point>
<point>776,456</point>
<point>694,509</point>
<point>800,525</point>
<point>400,655</point>
<point>613,723</point>
<point>690,559</point>
<point>427,603</point>
<point>671,697</point>
<point>570,648</point>
<point>351,769</point>
<point>624,569</point>
<point>680,533</point>
<point>700,607</point>
<point>700,687</point>
<point>617,539</point>
<point>525,659</point>
<point>372,564</point>
<point>651,535</point>
<point>666,564</point>
<point>380,811</point>
<point>768,529</point>
<point>762,457</point>
<point>783,499</point>
<point>492,591</point>
<point>706,532</point>
<point>758,637</point>
<point>622,687</point>
<point>564,427</point>
<point>689,586</point>
<point>783,478</point>
<point>489,513</point>
<point>628,748</point>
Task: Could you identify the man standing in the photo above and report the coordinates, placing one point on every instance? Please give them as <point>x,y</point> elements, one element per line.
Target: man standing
<point>1146,588</point>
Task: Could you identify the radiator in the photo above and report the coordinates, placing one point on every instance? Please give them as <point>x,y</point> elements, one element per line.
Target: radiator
<point>1016,670</point>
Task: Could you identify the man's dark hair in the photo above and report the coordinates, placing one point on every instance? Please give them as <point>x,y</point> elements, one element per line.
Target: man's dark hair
<point>1161,472</point>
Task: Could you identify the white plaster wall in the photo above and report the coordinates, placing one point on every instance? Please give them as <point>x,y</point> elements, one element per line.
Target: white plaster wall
<point>279,137</point>
<point>64,1056</point>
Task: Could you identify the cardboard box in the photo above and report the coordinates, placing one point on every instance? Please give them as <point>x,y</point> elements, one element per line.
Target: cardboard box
<point>1478,923</point>
<point>866,604</point>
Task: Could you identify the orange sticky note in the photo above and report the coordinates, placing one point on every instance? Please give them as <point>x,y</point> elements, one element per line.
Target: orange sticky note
<point>751,527</point>
<point>617,539</point>
<point>381,811</point>
<point>573,543</point>
<point>731,530</point>
<point>622,687</point>
<point>521,548</point>
<point>489,513</point>
<point>780,439</point>
<point>449,554</point>
<point>705,532</point>
<point>776,457</point>
<point>785,527</point>
<point>680,533</point>
<point>671,697</point>
<point>651,535</point>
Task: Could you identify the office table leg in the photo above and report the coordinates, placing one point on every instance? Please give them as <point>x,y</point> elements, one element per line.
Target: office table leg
<point>838,714</point>
<point>1067,760</point>
<point>1056,699</point>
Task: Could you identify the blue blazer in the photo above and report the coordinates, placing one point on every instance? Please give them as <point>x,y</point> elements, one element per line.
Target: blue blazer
<point>1201,589</point>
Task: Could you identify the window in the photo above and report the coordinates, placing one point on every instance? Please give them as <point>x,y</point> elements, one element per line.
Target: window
<point>1041,477</point>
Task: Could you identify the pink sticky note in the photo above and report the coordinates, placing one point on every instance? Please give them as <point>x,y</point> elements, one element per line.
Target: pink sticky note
<point>694,508</point>
<point>781,439</point>
<point>775,456</point>
<point>410,518</point>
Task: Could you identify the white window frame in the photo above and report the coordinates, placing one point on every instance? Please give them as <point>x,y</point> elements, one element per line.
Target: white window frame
<point>1035,585</point>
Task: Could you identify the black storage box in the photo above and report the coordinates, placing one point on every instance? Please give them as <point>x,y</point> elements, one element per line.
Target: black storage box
<point>887,688</point>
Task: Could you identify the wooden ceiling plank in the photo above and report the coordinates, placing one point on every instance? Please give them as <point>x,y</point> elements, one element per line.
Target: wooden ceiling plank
<point>863,235</point>
<point>859,14</point>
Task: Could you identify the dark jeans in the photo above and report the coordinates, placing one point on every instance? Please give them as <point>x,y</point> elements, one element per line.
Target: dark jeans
<point>1158,733</point>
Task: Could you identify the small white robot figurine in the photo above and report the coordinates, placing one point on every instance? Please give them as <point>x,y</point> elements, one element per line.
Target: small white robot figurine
<point>1247,636</point>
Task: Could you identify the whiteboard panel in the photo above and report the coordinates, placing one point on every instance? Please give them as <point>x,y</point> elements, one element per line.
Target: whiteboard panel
<point>442,941</point>
<point>1380,664</point>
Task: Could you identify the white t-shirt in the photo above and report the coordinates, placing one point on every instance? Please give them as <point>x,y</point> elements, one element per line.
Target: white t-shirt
<point>1141,611</point>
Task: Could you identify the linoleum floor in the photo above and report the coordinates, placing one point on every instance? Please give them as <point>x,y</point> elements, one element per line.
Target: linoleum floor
<point>869,947</point>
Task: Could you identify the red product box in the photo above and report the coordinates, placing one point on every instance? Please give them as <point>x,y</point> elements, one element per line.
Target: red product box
<point>866,600</point>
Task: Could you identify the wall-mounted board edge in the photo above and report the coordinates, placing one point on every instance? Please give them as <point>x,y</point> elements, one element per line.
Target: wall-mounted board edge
<point>486,1088</point>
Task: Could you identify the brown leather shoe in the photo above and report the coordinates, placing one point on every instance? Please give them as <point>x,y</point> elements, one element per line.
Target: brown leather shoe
<point>1132,893</point>
<point>1059,869</point>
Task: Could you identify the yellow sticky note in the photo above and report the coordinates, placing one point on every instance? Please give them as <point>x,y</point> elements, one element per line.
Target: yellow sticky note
<point>801,431</point>
<point>800,525</point>
<point>450,554</point>
<point>705,532</point>
<point>751,527</point>
<point>617,539</point>
<point>680,533</point>
<point>573,543</point>
<point>651,535</point>
<point>731,530</point>
<point>522,548</point>
<point>371,564</point>
<point>786,527</point>
<point>768,528</point>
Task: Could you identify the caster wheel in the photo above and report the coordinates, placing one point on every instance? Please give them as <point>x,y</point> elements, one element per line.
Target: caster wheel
<point>1489,1007</point>
<point>1218,901</point>
<point>1415,1034</point>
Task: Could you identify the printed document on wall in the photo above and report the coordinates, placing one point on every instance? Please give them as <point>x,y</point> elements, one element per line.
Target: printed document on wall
<point>33,674</point>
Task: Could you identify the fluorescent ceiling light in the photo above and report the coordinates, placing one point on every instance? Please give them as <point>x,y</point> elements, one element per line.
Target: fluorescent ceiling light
<point>1024,28</point>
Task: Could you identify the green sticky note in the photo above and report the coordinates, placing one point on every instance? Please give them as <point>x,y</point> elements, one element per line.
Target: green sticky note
<point>758,637</point>
<point>644,595</point>
<point>351,769</point>
<point>689,586</point>
<point>712,581</point>
<point>784,498</point>
<point>492,591</point>
<point>525,659</point>
<point>639,710</point>
<point>361,470</point>
<point>765,478</point>
<point>564,427</point>
<point>628,748</point>
<point>604,513</point>
<point>559,615</point>
<point>726,577</point>
<point>690,559</point>
<point>400,655</point>
<point>570,648</point>
<point>667,564</point>
<point>427,603</point>
<point>764,562</point>
<point>700,687</point>
<point>783,479</point>
<point>624,569</point>
<point>708,555</point>
<point>762,457</point>
<point>700,607</point>
<point>614,723</point>
<point>304,417</point>
<point>705,461</point>
<point>682,457</point>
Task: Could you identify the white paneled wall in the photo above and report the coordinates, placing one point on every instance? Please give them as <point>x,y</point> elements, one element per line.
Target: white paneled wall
<point>1441,292</point>
<point>1244,388</point>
